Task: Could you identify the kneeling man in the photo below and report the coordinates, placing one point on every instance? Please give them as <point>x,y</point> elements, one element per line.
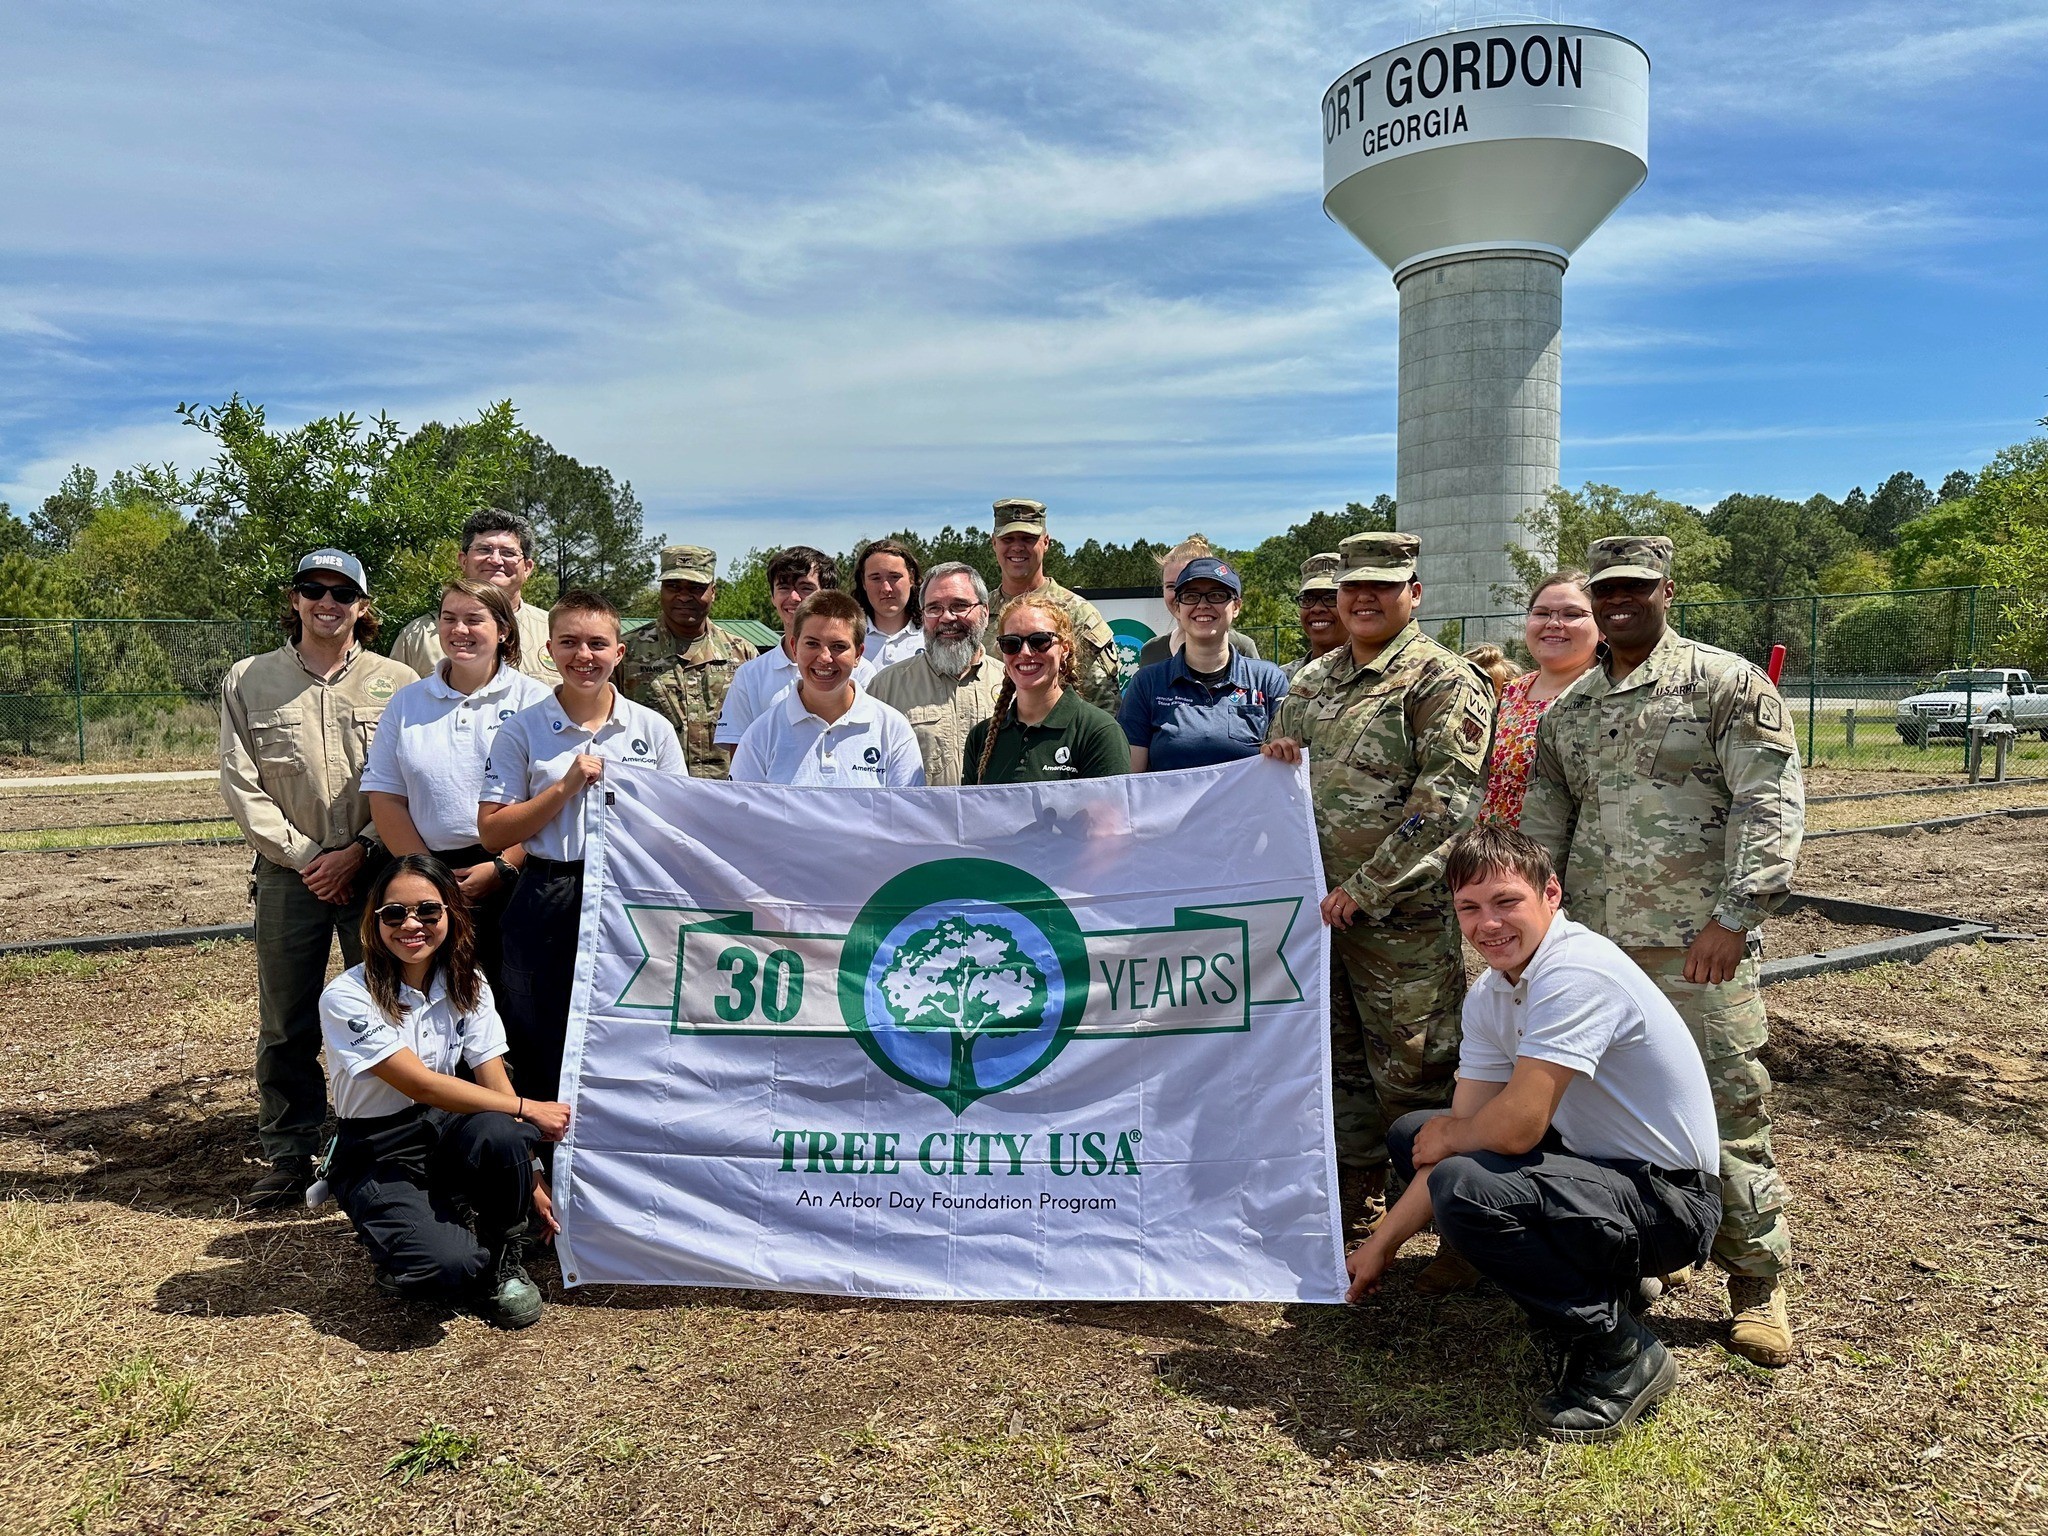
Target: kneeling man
<point>1579,1152</point>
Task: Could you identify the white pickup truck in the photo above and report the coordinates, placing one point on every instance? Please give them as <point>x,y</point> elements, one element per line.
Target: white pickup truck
<point>1992,695</point>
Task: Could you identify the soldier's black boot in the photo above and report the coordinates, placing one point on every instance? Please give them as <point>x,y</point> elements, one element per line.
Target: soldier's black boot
<point>1612,1380</point>
<point>1554,1352</point>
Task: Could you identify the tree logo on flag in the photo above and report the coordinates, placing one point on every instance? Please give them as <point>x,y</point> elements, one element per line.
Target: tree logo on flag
<point>963,977</point>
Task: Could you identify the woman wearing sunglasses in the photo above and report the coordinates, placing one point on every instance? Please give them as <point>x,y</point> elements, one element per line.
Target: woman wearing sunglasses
<point>426,769</point>
<point>1042,728</point>
<point>1561,635</point>
<point>416,1144</point>
<point>1206,703</point>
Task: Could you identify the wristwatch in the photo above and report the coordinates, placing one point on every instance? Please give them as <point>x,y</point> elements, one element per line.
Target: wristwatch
<point>365,842</point>
<point>506,873</point>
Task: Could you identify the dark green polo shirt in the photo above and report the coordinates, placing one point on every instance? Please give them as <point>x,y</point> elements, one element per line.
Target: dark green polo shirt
<point>1074,741</point>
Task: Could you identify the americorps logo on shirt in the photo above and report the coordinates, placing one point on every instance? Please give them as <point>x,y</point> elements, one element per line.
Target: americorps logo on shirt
<point>1061,754</point>
<point>962,978</point>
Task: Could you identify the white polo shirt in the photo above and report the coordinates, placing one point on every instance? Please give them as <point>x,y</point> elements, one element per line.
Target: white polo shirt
<point>357,1036</point>
<point>886,650</point>
<point>1641,1091</point>
<point>431,744</point>
<point>757,684</point>
<point>536,746</point>
<point>870,746</point>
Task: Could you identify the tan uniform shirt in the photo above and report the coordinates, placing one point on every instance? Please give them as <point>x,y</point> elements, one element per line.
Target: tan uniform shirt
<point>685,683</point>
<point>292,747</point>
<point>1096,668</point>
<point>941,709</point>
<point>419,644</point>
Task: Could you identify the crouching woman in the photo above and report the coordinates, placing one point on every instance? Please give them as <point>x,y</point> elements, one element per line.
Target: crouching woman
<point>435,1171</point>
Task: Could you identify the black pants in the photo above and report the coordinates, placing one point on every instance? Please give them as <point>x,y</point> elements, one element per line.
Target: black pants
<point>295,933</point>
<point>1566,1236</point>
<point>488,916</point>
<point>540,931</point>
<point>412,1183</point>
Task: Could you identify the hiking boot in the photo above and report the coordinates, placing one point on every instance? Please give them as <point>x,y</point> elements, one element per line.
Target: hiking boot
<point>1761,1332</point>
<point>1361,1198</point>
<point>1554,1354</point>
<point>285,1183</point>
<point>1612,1380</point>
<point>1449,1272</point>
<point>512,1299</point>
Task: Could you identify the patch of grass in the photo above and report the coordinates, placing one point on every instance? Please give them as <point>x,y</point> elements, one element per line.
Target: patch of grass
<point>51,965</point>
<point>100,837</point>
<point>436,1448</point>
<point>97,1499</point>
<point>144,1400</point>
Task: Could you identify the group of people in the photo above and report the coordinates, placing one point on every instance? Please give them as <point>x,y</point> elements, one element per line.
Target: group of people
<point>1607,830</point>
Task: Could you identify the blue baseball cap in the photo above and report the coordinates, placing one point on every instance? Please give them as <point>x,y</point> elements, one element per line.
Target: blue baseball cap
<point>340,562</point>
<point>1208,568</point>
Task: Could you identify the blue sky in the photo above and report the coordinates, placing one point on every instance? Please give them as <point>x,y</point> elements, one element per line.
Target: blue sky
<point>822,270</point>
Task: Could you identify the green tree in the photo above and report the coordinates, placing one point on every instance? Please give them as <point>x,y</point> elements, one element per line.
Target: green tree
<point>971,982</point>
<point>1955,485</point>
<point>1568,521</point>
<point>16,538</point>
<point>29,589</point>
<point>271,495</point>
<point>1903,497</point>
<point>66,510</point>
<point>2011,498</point>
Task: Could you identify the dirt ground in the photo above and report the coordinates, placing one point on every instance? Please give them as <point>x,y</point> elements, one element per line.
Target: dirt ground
<point>168,1363</point>
<point>1994,871</point>
<point>70,895</point>
<point>28,810</point>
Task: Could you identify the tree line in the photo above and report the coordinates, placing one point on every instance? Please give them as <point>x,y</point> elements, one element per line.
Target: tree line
<point>155,542</point>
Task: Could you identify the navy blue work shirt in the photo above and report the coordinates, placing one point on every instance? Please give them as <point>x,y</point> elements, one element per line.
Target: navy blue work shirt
<point>1183,722</point>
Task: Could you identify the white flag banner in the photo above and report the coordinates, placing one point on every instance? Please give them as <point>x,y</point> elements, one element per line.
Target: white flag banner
<point>1028,1042</point>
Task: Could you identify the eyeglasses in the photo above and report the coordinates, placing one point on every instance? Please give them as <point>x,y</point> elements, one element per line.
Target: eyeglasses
<point>1205,599</point>
<point>343,592</point>
<point>1318,600</point>
<point>956,610</point>
<point>1560,615</point>
<point>489,554</point>
<point>394,913</point>
<point>1040,641</point>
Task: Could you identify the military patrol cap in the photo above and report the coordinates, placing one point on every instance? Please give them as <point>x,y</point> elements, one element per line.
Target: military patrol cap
<point>1319,572</point>
<point>689,562</point>
<point>340,562</point>
<point>1016,515</point>
<point>1379,557</point>
<point>1629,557</point>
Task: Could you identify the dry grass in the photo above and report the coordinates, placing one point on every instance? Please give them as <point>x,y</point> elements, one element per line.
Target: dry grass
<point>166,1364</point>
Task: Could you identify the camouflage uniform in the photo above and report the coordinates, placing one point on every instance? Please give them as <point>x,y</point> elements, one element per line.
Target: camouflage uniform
<point>1100,676</point>
<point>1670,799</point>
<point>1396,750</point>
<point>685,681</point>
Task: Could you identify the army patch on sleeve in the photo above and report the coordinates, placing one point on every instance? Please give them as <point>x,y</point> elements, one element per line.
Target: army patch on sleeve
<point>1770,712</point>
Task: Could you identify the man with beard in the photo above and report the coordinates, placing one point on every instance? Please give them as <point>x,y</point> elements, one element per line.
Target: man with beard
<point>1667,793</point>
<point>950,686</point>
<point>682,664</point>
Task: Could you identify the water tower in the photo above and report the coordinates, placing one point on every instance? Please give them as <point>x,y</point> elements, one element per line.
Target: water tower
<point>1473,164</point>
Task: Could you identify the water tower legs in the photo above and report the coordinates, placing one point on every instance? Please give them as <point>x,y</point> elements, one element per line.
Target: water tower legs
<point>1479,420</point>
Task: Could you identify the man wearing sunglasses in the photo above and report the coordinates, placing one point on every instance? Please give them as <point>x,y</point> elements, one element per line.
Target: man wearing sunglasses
<point>497,547</point>
<point>1317,599</point>
<point>295,729</point>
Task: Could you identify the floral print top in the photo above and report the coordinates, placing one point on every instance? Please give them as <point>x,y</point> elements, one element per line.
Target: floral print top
<point>1514,751</point>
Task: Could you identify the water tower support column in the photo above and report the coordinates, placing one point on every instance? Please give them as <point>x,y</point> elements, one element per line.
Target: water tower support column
<point>1479,418</point>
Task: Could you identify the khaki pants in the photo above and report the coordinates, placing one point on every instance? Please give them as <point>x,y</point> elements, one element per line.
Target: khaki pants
<point>1726,1020</point>
<point>1397,993</point>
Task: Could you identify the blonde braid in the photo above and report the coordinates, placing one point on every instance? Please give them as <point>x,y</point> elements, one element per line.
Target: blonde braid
<point>1057,621</point>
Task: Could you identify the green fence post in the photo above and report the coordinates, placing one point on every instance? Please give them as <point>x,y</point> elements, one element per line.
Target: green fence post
<point>78,689</point>
<point>1812,671</point>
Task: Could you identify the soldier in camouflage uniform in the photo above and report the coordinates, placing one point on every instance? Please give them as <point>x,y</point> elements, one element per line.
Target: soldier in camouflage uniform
<point>1396,729</point>
<point>681,665</point>
<point>1321,629</point>
<point>1021,542</point>
<point>1667,790</point>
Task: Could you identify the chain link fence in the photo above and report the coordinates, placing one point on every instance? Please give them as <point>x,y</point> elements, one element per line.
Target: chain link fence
<point>1879,680</point>
<point>89,690</point>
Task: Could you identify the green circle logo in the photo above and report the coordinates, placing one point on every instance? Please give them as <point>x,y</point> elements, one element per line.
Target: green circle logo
<point>963,977</point>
